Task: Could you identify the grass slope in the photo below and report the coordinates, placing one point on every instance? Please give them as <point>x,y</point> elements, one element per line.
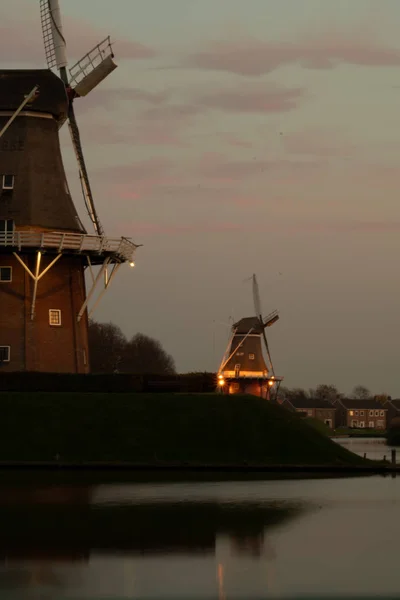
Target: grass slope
<point>145,428</point>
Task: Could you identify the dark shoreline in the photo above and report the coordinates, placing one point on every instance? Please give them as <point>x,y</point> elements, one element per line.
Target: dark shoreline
<point>197,468</point>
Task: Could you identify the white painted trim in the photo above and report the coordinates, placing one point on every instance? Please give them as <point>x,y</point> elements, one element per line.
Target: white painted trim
<point>26,113</point>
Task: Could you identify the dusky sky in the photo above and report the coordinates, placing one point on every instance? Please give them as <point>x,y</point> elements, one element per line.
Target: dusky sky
<point>242,136</point>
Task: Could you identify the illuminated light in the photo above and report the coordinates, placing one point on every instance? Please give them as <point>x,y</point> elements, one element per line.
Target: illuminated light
<point>221,382</point>
<point>220,376</point>
<point>132,264</point>
<point>270,383</point>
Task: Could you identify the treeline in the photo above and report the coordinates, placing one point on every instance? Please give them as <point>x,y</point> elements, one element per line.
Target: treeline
<point>111,352</point>
<point>330,392</point>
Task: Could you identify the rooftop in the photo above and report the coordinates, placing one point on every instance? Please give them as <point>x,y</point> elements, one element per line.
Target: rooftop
<point>310,403</point>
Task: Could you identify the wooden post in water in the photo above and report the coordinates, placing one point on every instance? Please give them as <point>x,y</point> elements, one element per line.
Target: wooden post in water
<point>393,456</point>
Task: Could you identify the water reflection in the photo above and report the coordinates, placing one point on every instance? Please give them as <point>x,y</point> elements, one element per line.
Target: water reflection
<point>225,540</point>
<point>52,535</point>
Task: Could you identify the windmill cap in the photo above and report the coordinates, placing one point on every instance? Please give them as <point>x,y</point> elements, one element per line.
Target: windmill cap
<point>247,323</point>
<point>15,85</point>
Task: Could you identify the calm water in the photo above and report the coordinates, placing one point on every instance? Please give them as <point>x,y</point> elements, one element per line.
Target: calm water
<point>374,448</point>
<point>222,540</point>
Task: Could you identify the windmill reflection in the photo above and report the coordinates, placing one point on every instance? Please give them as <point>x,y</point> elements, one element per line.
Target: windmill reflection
<point>46,530</point>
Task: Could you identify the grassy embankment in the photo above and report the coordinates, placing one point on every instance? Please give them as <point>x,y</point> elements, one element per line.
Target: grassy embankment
<point>344,431</point>
<point>194,429</point>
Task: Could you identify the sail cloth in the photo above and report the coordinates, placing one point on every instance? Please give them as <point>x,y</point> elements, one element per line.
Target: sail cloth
<point>100,72</point>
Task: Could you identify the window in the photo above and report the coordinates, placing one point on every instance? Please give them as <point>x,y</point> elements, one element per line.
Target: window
<point>354,423</point>
<point>361,413</point>
<point>309,412</point>
<point>380,424</point>
<point>362,424</point>
<point>356,413</point>
<point>5,274</point>
<point>382,413</point>
<point>371,413</point>
<point>8,182</point>
<point>371,424</point>
<point>4,354</point>
<point>351,413</point>
<point>251,356</point>
<point>54,317</point>
<point>377,413</point>
<point>6,226</point>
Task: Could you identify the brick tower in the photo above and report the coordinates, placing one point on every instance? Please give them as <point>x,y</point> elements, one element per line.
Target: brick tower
<point>44,248</point>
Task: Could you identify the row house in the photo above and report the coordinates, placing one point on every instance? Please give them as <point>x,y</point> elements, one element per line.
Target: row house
<point>313,407</point>
<point>361,414</point>
<point>393,409</point>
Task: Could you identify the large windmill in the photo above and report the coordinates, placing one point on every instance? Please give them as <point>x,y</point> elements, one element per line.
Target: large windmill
<point>44,248</point>
<point>245,368</point>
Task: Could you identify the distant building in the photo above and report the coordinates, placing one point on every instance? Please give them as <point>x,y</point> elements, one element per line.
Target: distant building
<point>393,409</point>
<point>361,414</point>
<point>313,407</point>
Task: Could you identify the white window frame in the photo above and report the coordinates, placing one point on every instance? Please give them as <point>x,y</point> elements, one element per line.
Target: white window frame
<point>8,187</point>
<point>6,280</point>
<point>7,229</point>
<point>380,424</point>
<point>252,356</point>
<point>382,413</point>
<point>361,413</point>
<point>362,424</point>
<point>356,413</point>
<point>354,423</point>
<point>58,312</point>
<point>377,413</point>
<point>8,354</point>
<point>371,425</point>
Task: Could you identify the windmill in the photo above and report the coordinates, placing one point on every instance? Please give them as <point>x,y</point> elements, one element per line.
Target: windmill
<point>244,368</point>
<point>44,247</point>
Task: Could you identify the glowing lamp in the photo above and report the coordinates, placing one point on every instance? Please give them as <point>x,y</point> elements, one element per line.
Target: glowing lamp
<point>270,383</point>
<point>221,381</point>
<point>132,264</point>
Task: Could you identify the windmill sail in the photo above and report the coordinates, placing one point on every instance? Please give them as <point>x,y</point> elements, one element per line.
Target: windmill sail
<point>54,41</point>
<point>90,70</point>
<point>83,174</point>
<point>86,74</point>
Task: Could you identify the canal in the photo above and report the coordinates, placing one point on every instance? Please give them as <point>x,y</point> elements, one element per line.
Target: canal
<point>231,539</point>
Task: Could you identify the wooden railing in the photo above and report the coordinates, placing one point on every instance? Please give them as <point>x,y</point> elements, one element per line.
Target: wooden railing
<point>60,241</point>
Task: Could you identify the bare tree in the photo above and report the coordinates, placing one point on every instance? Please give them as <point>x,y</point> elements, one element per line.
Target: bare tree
<point>111,352</point>
<point>107,346</point>
<point>326,392</point>
<point>145,355</point>
<point>360,393</point>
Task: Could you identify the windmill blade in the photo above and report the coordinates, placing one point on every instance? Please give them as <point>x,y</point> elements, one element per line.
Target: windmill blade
<point>54,41</point>
<point>256,298</point>
<point>92,68</point>
<point>83,174</point>
<point>268,353</point>
<point>272,318</point>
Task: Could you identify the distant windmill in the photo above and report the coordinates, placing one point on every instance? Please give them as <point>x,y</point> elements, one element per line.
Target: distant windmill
<point>244,368</point>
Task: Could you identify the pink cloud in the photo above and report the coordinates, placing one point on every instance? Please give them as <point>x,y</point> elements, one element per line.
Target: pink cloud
<point>21,37</point>
<point>268,99</point>
<point>249,56</point>
<point>227,171</point>
<point>151,169</point>
<point>147,228</point>
<point>317,143</point>
<point>233,140</point>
